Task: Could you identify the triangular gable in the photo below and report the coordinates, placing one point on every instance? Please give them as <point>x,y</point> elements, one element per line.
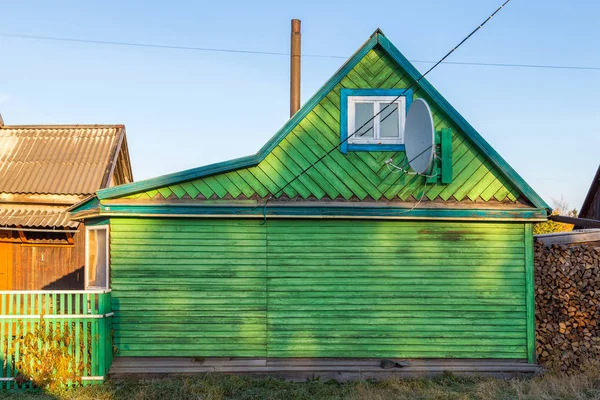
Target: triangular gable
<point>479,173</point>
<point>119,166</point>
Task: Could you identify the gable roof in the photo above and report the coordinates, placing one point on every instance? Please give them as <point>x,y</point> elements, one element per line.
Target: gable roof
<point>60,159</point>
<point>46,168</point>
<point>379,41</point>
<point>591,204</point>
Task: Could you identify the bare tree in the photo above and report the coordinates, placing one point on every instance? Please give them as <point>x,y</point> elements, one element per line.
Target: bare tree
<point>561,207</point>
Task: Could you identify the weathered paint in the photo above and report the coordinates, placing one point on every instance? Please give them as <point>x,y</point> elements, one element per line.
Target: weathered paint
<point>307,210</point>
<point>530,290</point>
<point>300,288</point>
<point>188,287</point>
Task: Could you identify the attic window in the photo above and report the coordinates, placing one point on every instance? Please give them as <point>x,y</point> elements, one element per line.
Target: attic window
<point>377,116</point>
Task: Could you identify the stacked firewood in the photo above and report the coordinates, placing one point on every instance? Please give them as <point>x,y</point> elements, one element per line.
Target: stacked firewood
<point>567,295</point>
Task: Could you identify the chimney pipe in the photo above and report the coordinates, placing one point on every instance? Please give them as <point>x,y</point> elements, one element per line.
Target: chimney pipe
<point>295,68</point>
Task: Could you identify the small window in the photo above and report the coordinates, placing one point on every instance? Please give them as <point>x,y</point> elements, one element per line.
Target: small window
<point>387,126</point>
<point>97,256</point>
<point>377,116</point>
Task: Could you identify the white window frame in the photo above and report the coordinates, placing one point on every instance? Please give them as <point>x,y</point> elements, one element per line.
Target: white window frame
<point>377,105</point>
<point>87,256</point>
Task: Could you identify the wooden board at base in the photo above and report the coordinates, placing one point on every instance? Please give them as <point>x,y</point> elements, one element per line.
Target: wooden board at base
<point>301,369</point>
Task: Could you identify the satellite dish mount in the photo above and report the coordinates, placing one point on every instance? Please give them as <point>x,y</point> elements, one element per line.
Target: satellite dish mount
<point>419,137</point>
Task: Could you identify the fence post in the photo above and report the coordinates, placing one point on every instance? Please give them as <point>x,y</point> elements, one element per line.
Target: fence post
<point>101,343</point>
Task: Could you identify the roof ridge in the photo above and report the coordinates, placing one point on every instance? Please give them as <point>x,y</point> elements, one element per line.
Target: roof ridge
<point>378,31</point>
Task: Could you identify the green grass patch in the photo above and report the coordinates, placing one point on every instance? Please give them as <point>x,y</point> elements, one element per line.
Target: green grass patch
<point>550,386</point>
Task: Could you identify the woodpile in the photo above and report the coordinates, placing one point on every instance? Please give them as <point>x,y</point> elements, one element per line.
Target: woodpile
<point>567,295</point>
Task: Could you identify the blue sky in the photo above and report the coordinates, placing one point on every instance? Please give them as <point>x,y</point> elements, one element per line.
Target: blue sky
<point>184,109</point>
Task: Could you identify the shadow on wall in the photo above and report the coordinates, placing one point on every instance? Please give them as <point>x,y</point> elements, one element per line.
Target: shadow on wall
<point>71,281</point>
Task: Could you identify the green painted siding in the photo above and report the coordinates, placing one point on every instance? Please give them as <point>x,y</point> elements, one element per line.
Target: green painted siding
<point>318,288</point>
<point>188,287</point>
<point>396,289</point>
<point>357,175</point>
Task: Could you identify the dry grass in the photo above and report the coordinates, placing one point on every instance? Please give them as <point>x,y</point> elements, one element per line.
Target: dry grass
<point>550,386</point>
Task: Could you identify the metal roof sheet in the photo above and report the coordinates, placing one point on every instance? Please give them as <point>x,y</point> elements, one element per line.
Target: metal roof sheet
<point>58,159</point>
<point>35,216</point>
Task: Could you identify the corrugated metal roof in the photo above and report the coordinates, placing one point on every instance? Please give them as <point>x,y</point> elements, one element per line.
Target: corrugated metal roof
<point>35,216</point>
<point>59,159</point>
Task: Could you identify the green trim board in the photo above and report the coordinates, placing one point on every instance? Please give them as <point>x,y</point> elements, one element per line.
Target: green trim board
<point>265,173</point>
<point>98,220</point>
<point>446,156</point>
<point>89,203</point>
<point>530,293</point>
<point>333,211</point>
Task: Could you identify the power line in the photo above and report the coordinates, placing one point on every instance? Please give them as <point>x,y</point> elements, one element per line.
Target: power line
<point>274,53</point>
<point>386,107</point>
<point>576,67</point>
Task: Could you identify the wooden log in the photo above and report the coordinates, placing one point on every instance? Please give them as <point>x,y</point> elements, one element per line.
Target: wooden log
<point>567,293</point>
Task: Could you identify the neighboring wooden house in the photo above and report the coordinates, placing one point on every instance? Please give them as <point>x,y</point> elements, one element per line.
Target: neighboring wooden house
<point>591,205</point>
<point>589,216</point>
<point>44,169</point>
<point>353,259</point>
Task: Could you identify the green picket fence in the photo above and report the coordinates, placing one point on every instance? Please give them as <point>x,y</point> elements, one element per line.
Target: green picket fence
<point>82,316</point>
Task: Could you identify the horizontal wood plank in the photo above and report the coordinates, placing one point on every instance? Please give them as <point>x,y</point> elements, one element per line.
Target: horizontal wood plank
<point>297,288</point>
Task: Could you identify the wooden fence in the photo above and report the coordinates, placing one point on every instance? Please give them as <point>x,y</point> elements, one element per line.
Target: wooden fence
<point>85,316</point>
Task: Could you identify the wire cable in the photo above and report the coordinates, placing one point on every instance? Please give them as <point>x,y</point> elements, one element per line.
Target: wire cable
<point>275,53</point>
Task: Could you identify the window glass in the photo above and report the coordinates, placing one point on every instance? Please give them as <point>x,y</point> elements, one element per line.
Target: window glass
<point>382,117</point>
<point>363,113</point>
<point>97,264</point>
<point>390,123</point>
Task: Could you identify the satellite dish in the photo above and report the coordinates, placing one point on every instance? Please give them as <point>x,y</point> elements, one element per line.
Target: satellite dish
<point>419,136</point>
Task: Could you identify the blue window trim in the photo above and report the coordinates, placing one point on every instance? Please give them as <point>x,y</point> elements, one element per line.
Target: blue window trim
<point>344,93</point>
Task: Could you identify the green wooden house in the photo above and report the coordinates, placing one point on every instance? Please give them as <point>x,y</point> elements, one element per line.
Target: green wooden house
<point>352,260</point>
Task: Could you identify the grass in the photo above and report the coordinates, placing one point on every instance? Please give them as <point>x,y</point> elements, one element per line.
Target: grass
<point>585,385</point>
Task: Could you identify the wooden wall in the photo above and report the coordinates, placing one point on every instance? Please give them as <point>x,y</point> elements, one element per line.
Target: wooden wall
<point>39,265</point>
<point>185,287</point>
<point>319,288</point>
<point>593,211</point>
<point>6,266</point>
